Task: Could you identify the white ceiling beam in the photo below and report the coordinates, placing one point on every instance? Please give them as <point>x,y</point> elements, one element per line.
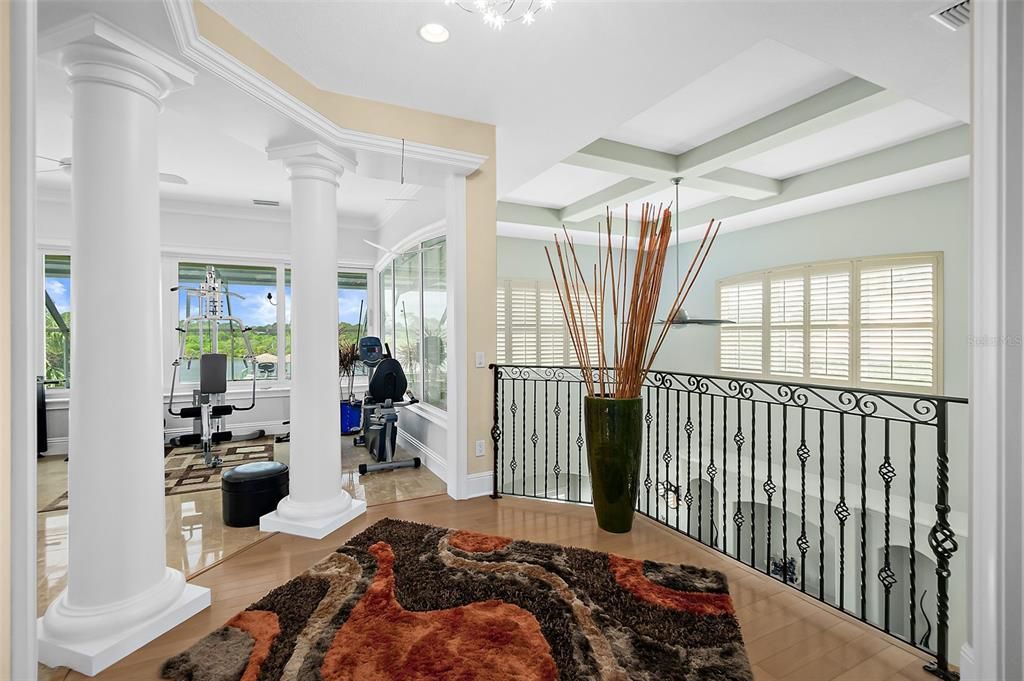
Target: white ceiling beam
<point>846,101</point>
<point>596,205</point>
<point>707,166</point>
<point>925,151</point>
<point>932,149</point>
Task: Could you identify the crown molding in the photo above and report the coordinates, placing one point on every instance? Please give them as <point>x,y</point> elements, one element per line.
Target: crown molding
<point>95,30</point>
<point>205,54</point>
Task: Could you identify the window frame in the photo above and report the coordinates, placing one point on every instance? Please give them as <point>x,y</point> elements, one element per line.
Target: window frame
<point>385,266</point>
<point>854,266</point>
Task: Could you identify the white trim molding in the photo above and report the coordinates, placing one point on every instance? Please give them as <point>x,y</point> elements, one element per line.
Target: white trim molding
<point>434,462</point>
<point>478,485</point>
<point>995,641</point>
<point>204,53</point>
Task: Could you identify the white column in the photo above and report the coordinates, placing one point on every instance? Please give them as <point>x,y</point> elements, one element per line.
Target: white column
<point>995,641</point>
<point>316,505</point>
<point>120,592</point>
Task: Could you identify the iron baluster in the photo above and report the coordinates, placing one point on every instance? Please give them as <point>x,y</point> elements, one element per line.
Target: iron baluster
<point>942,541</point>
<point>885,574</point>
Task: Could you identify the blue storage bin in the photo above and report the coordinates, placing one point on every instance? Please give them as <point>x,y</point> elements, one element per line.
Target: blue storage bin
<point>351,414</point>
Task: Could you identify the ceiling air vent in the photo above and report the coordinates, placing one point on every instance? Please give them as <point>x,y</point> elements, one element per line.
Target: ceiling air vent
<point>264,202</point>
<point>955,16</point>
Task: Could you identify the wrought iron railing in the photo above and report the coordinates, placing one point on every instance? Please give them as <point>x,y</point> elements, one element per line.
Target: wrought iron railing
<point>841,493</point>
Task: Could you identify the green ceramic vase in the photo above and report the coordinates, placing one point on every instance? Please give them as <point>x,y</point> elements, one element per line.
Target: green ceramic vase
<point>614,444</point>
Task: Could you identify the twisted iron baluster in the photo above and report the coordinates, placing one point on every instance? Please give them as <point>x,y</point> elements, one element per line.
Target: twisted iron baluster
<point>842,512</point>
<point>678,481</point>
<point>803,453</point>
<point>821,505</point>
<point>942,541</point>
<point>712,471</point>
<point>689,463</point>
<point>753,477</point>
<point>547,440</point>
<point>558,416</point>
<point>737,517</point>
<point>648,419</point>
<point>885,574</point>
<point>496,433</point>
<point>913,532</point>
<point>769,492</point>
<point>579,448</point>
<point>725,474</point>
<point>863,518</point>
<point>785,487</point>
<point>534,438</point>
<point>700,467</point>
<point>513,408</point>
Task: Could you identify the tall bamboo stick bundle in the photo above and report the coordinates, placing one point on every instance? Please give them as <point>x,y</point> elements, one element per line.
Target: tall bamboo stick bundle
<point>629,294</point>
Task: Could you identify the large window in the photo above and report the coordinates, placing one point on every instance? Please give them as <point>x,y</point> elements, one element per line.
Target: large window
<point>262,301</point>
<point>867,322</point>
<point>247,288</point>
<point>352,311</point>
<point>413,318</point>
<point>531,325</point>
<point>57,320</point>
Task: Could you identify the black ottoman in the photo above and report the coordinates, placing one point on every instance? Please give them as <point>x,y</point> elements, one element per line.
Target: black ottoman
<point>252,490</point>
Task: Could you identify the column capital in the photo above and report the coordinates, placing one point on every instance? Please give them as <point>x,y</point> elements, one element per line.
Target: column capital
<point>91,49</point>
<point>312,160</point>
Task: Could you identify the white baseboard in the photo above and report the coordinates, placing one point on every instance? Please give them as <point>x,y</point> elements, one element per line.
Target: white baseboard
<point>56,446</point>
<point>434,462</point>
<point>968,667</point>
<point>479,484</point>
<point>271,428</point>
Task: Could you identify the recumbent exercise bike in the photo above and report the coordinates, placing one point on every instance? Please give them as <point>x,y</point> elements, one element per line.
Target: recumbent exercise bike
<point>386,391</point>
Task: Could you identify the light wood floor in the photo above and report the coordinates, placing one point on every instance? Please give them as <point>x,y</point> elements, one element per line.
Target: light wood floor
<point>788,637</point>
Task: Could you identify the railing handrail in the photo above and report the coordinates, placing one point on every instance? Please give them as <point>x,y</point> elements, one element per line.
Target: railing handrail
<point>949,399</point>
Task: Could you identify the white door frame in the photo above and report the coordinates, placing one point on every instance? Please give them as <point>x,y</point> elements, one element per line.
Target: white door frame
<point>24,293</point>
<point>996,628</point>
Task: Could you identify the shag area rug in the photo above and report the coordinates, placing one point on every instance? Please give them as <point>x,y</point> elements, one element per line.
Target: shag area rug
<point>415,602</point>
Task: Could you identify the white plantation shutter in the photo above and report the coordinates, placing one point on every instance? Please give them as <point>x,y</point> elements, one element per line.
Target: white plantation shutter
<point>551,327</point>
<point>829,321</point>
<point>741,343</point>
<point>898,324</point>
<point>500,346</point>
<point>786,315</point>
<point>864,322</point>
<point>531,325</point>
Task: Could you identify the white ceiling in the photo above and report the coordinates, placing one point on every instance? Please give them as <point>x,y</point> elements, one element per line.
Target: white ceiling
<point>215,136</point>
<point>757,82</point>
<point>902,122</point>
<point>562,184</point>
<point>588,68</point>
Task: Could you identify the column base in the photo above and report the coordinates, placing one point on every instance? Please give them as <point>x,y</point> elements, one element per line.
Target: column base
<point>90,657</point>
<point>310,525</point>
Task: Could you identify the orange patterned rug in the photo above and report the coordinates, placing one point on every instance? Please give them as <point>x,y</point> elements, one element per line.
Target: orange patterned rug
<point>415,602</point>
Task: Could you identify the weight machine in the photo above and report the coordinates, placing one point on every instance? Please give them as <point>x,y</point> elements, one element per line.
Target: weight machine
<point>212,303</point>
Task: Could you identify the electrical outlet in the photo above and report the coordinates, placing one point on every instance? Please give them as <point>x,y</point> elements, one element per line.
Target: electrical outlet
<point>480,447</point>
<point>481,360</point>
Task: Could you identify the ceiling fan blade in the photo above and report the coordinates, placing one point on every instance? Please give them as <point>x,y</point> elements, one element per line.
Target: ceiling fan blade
<point>400,199</point>
<point>47,158</point>
<point>171,178</point>
<point>379,247</point>
<point>51,170</point>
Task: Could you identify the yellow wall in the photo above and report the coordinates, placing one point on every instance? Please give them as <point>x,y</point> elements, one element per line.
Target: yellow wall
<point>389,120</point>
<point>5,340</point>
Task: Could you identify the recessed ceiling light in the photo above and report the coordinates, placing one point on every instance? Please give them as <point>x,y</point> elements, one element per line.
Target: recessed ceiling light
<point>434,33</point>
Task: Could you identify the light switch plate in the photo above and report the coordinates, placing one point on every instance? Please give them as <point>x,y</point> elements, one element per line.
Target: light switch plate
<point>479,447</point>
<point>481,360</point>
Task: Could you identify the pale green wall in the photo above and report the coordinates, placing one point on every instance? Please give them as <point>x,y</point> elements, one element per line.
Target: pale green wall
<point>931,219</point>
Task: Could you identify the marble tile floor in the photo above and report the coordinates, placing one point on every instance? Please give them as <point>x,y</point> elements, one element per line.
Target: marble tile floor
<point>197,538</point>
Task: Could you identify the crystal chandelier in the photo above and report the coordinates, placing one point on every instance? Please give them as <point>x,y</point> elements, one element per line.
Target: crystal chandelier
<point>497,13</point>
